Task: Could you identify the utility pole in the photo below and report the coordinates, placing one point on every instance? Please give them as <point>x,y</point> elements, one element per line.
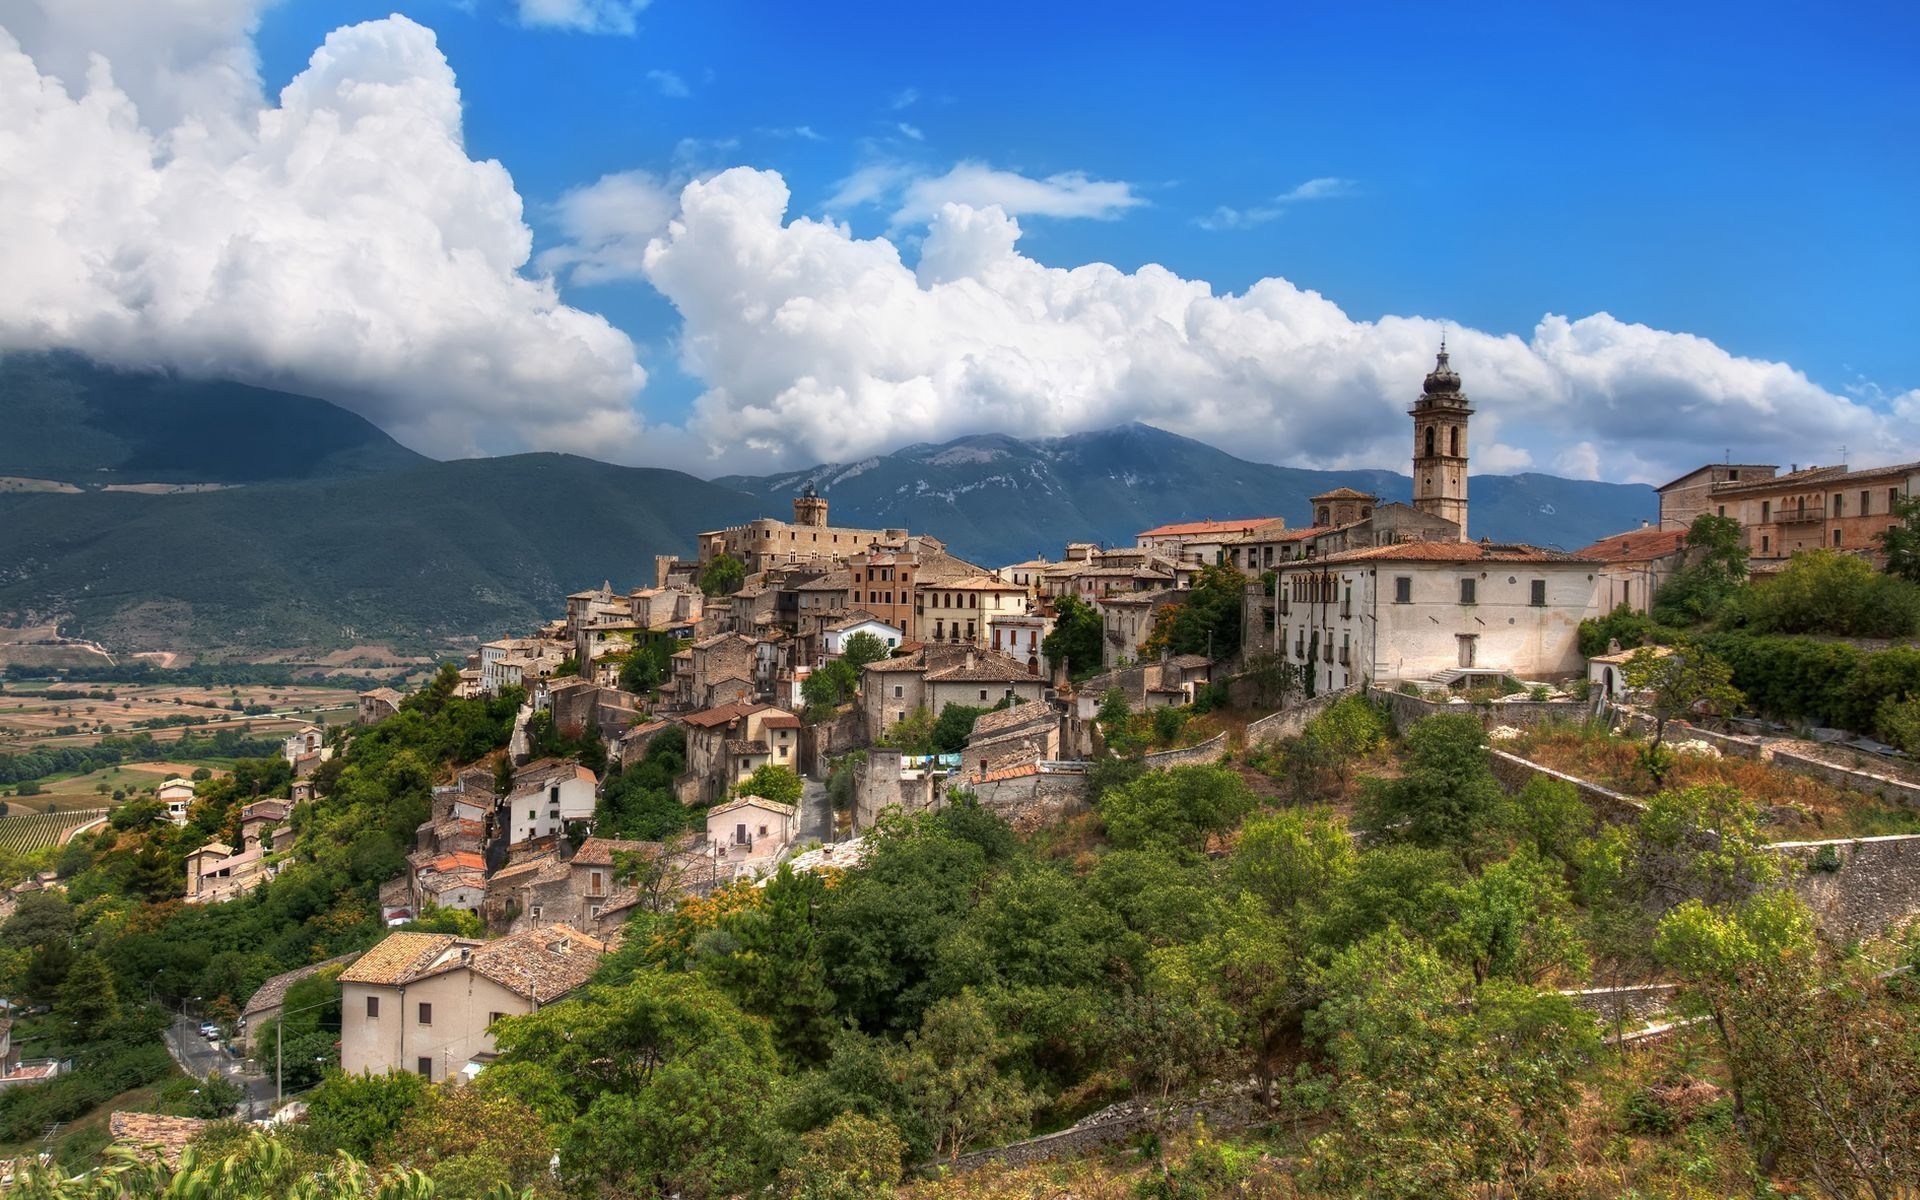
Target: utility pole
<point>279,1029</point>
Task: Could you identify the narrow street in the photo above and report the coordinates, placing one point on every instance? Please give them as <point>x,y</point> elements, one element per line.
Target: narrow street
<point>198,1058</point>
<point>816,813</point>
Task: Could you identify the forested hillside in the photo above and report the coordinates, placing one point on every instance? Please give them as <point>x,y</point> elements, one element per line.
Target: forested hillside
<point>1359,934</point>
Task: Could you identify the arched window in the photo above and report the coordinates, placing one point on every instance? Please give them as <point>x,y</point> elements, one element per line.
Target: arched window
<point>1321,519</point>
<point>1366,512</point>
<point>1429,441</point>
<point>1454,440</point>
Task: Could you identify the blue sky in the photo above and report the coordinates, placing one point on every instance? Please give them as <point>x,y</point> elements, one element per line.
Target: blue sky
<point>1747,172</point>
<point>1658,233</point>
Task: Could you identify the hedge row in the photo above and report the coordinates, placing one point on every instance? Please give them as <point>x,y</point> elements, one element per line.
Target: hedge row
<point>1822,683</point>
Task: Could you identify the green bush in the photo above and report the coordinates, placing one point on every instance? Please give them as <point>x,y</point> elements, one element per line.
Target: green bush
<point>1826,860</point>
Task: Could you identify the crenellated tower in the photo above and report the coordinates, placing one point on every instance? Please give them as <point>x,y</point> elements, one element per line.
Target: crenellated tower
<point>1440,445</point>
<point>810,508</point>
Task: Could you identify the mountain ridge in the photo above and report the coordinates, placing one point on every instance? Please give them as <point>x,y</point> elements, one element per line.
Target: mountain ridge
<point>340,535</point>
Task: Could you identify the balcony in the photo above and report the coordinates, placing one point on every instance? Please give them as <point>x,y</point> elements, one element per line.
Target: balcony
<point>1814,515</point>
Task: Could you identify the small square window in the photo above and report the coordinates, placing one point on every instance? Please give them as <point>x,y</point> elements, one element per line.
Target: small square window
<point>1539,598</point>
<point>373,1008</point>
<point>1467,587</point>
<point>425,1067</point>
<point>426,1013</point>
<point>1403,589</point>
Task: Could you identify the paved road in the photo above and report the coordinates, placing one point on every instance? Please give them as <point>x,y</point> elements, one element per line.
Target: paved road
<point>198,1058</point>
<point>816,813</point>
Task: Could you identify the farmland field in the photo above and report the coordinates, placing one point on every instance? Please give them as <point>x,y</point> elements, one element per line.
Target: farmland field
<point>28,721</point>
<point>34,831</point>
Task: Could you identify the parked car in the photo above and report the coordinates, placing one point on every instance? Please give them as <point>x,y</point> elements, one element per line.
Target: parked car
<point>210,1031</point>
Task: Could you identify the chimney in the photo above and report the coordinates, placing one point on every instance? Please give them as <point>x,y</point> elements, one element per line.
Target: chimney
<point>1643,522</point>
<point>970,659</point>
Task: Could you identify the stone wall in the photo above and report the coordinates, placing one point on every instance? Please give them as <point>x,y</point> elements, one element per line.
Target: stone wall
<point>1515,773</point>
<point>1877,884</point>
<point>1110,1126</point>
<point>1030,802</point>
<point>1729,744</point>
<point>1884,786</point>
<point>880,783</point>
<point>1633,1005</point>
<point>1289,722</point>
<point>1211,750</point>
<point>821,743</point>
<point>1521,714</point>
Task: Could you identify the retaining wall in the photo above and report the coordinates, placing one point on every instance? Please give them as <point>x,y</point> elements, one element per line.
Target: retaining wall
<point>1524,714</point>
<point>1515,773</point>
<point>1630,1005</point>
<point>1030,802</point>
<point>1211,750</point>
<point>1886,787</point>
<point>1878,883</point>
<point>1730,744</point>
<point>1290,722</point>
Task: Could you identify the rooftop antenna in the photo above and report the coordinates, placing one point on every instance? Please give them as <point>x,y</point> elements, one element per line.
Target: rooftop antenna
<point>1843,456</point>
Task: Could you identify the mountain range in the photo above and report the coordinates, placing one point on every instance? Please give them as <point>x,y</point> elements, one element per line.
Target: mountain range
<point>320,531</point>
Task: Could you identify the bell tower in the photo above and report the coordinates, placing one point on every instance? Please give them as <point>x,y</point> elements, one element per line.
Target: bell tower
<point>810,508</point>
<point>1440,445</point>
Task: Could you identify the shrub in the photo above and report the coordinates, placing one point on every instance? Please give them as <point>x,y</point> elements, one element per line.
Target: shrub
<point>1826,860</point>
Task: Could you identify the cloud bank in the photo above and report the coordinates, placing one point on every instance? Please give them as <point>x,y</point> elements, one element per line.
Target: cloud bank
<point>338,239</point>
<point>822,345</point>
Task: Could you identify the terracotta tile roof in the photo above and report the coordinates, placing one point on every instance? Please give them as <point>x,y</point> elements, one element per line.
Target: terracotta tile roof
<point>909,662</point>
<point>383,693</point>
<point>541,964</point>
<point>742,746</point>
<point>1194,528</point>
<point>274,990</point>
<point>725,714</point>
<point>443,883</point>
<point>599,851</point>
<point>1189,660</point>
<point>760,802</point>
<point>785,720</point>
<point>1344,493</point>
<point>510,874</point>
<point>1447,552</point>
<point>399,958</point>
<point>1013,718</point>
<point>155,1134</point>
<point>459,860</point>
<point>1637,545</point>
<point>1009,773</point>
<point>987,667</point>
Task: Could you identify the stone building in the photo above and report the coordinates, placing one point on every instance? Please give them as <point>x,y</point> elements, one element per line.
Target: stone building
<point>808,538</point>
<point>936,676</point>
<point>1634,565</point>
<point>1808,507</point>
<point>1440,418</point>
<point>427,1002</point>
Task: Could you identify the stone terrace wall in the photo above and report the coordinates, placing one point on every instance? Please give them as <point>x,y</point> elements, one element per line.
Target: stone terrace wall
<point>1289,722</point>
<point>1029,802</point>
<point>1629,1005</point>
<point>1524,714</point>
<point>1211,750</point>
<point>1886,787</point>
<point>1515,773</point>
<point>1878,882</point>
<point>1729,744</point>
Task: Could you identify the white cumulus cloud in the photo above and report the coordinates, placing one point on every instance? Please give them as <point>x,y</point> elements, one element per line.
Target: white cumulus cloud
<point>1322,188</point>
<point>582,16</point>
<point>817,344</point>
<point>669,84</point>
<point>915,195</point>
<point>338,240</point>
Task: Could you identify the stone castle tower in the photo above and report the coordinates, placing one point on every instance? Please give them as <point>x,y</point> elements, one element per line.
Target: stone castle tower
<point>1440,445</point>
<point>810,509</point>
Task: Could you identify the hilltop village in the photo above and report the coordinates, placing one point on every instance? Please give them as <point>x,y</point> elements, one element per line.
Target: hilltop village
<point>798,703</point>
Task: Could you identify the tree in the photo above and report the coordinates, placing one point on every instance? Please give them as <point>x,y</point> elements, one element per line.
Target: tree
<point>87,996</point>
<point>723,575</point>
<point>1447,796</point>
<point>1274,679</point>
<point>259,1168</point>
<point>1078,632</point>
<point>827,688</point>
<point>1179,809</point>
<point>956,1080</point>
<point>1715,567</point>
<point>1435,1088</point>
<point>1765,943</point>
<point>1833,593</point>
<point>359,1114</point>
<point>863,648</point>
<point>1208,622</point>
<point>475,1142</point>
<point>1288,859</point>
<point>772,782</point>
<point>853,1157</point>
<point>1114,719</point>
<point>1515,921</point>
<point>911,734</point>
<point>1900,542</point>
<point>1684,680</point>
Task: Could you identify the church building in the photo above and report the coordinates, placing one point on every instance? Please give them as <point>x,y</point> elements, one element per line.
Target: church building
<point>1402,593</point>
